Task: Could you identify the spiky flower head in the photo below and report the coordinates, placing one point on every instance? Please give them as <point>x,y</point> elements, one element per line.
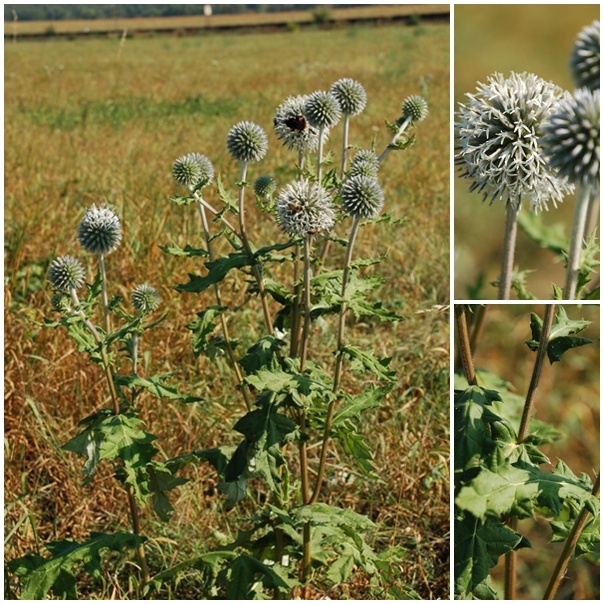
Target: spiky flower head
<point>264,186</point>
<point>293,128</point>
<point>66,273</point>
<point>350,94</point>
<point>571,138</point>
<point>362,197</point>
<point>100,231</point>
<point>193,171</point>
<point>145,298</point>
<point>498,135</point>
<point>585,57</point>
<point>322,109</point>
<point>415,107</point>
<point>247,142</point>
<point>304,208</point>
<point>365,163</point>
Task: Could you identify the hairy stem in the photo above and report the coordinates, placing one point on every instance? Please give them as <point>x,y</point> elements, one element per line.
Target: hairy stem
<point>306,290</point>
<point>569,546</point>
<point>394,140</point>
<point>320,155</point>
<point>246,245</point>
<point>507,255</point>
<point>136,529</point>
<point>339,361</point>
<point>548,319</point>
<point>465,351</point>
<point>344,145</point>
<point>576,242</point>
<point>295,320</point>
<point>223,324</point>
<point>104,295</point>
<point>478,327</point>
<point>510,566</point>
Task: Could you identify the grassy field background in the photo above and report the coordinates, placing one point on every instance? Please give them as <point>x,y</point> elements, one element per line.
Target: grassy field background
<point>92,121</point>
<point>504,38</point>
<point>568,398</point>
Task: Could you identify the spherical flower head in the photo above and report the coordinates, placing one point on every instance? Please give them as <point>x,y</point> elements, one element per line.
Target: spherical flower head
<point>247,142</point>
<point>193,171</point>
<point>66,273</point>
<point>145,298</point>
<point>364,163</point>
<point>571,138</point>
<point>293,128</point>
<point>362,197</point>
<point>350,94</point>
<point>415,107</point>
<point>264,186</point>
<point>585,58</point>
<point>304,208</point>
<point>100,231</point>
<point>322,109</point>
<point>498,135</point>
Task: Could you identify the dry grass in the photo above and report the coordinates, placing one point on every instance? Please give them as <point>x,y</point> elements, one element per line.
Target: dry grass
<point>85,124</point>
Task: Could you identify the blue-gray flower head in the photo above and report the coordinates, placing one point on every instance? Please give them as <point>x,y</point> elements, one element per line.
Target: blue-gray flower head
<point>364,163</point>
<point>66,273</point>
<point>264,186</point>
<point>350,94</point>
<point>498,135</point>
<point>362,197</point>
<point>304,209</point>
<point>100,231</point>
<point>415,107</point>
<point>571,138</point>
<point>293,128</point>
<point>145,298</point>
<point>585,58</point>
<point>322,109</point>
<point>193,171</point>
<point>247,142</point>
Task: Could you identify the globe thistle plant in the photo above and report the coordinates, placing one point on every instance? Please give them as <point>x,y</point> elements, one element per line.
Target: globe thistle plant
<point>193,171</point>
<point>247,142</point>
<point>322,109</point>
<point>100,231</point>
<point>362,197</point>
<point>585,58</point>
<point>499,150</point>
<point>415,108</point>
<point>66,273</point>
<point>305,208</point>
<point>145,299</point>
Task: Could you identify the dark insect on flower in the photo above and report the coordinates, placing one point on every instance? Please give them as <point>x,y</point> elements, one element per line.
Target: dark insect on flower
<point>296,123</point>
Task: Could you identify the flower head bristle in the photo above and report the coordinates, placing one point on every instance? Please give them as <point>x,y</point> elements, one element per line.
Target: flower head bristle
<point>415,107</point>
<point>364,163</point>
<point>362,197</point>
<point>322,109</point>
<point>293,128</point>
<point>100,231</point>
<point>264,186</point>
<point>145,298</point>
<point>193,171</point>
<point>498,133</point>
<point>350,94</point>
<point>247,142</point>
<point>304,208</point>
<point>585,58</point>
<point>66,273</point>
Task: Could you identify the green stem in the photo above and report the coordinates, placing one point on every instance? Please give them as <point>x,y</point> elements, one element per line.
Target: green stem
<point>306,290</point>
<point>507,256</point>
<point>225,331</point>
<point>320,155</point>
<point>246,245</point>
<point>104,295</point>
<point>392,143</point>
<point>295,320</point>
<point>569,546</point>
<point>136,529</point>
<point>465,351</point>
<point>344,145</point>
<point>576,242</point>
<point>339,361</point>
<point>510,566</point>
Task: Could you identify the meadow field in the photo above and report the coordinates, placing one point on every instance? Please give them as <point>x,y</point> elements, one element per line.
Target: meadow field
<point>497,38</point>
<point>94,121</point>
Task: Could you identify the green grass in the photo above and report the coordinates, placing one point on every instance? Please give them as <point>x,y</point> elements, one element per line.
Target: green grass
<point>504,38</point>
<point>86,123</point>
